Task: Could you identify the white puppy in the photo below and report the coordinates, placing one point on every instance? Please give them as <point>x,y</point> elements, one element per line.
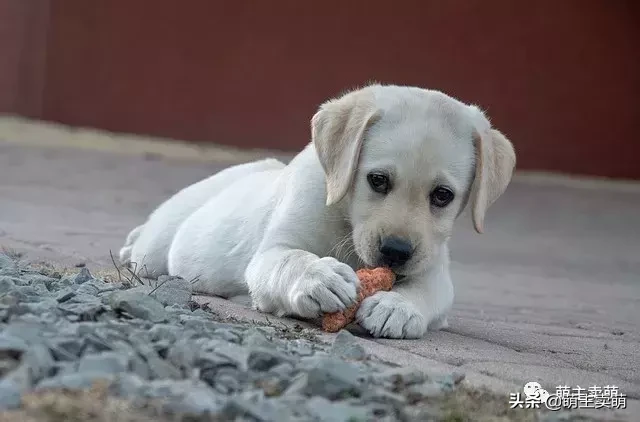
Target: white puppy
<point>387,172</point>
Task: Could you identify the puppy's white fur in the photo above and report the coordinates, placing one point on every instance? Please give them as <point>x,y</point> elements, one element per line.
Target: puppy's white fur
<point>293,235</point>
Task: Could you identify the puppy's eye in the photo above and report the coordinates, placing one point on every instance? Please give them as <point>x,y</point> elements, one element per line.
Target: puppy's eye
<point>441,197</point>
<point>379,182</point>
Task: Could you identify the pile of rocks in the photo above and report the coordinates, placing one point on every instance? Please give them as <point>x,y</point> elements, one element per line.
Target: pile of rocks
<point>154,343</point>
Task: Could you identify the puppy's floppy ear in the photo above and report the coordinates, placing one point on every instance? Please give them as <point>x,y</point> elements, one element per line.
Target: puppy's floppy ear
<point>337,131</point>
<point>495,161</point>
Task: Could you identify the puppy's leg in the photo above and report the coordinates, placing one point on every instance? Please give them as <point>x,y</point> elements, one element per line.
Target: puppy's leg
<point>125,251</point>
<point>416,304</point>
<point>298,283</point>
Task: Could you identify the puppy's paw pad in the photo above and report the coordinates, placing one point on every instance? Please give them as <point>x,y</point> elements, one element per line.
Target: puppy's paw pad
<point>388,314</point>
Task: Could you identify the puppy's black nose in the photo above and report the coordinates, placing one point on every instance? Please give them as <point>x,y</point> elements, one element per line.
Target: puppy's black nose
<point>395,251</point>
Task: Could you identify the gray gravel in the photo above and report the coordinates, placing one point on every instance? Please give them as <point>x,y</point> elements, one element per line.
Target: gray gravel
<point>153,342</point>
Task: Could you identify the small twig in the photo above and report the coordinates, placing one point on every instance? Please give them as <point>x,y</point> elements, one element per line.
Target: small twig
<point>143,266</point>
<point>158,286</point>
<point>135,268</point>
<point>134,275</point>
<point>116,265</point>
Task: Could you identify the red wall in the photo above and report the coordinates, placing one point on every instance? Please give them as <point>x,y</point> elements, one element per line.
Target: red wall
<point>561,78</point>
<point>23,39</point>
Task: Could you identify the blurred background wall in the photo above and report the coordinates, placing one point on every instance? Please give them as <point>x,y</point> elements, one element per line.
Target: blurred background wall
<point>560,78</point>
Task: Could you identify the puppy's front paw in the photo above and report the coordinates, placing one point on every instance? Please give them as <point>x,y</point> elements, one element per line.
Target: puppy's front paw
<point>327,285</point>
<point>388,314</point>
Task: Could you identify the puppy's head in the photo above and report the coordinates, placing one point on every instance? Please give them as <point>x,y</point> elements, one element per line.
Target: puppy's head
<point>404,162</point>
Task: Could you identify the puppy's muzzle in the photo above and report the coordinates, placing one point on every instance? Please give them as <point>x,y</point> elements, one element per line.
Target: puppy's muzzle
<point>395,251</point>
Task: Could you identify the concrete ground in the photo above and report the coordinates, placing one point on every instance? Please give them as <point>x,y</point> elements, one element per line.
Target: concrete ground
<point>551,292</point>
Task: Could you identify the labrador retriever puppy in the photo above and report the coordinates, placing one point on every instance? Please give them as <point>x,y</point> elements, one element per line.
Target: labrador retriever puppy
<point>387,172</point>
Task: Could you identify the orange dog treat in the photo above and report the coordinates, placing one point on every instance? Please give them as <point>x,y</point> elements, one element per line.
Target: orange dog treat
<point>371,281</point>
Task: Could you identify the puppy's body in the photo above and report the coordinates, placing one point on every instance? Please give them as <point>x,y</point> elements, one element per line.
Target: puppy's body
<point>387,173</point>
<point>147,246</point>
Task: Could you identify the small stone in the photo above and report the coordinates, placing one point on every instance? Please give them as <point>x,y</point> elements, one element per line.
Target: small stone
<point>45,308</point>
<point>346,346</point>
<point>86,310</point>
<point>255,337</point>
<point>65,295</point>
<point>21,376</point>
<point>109,288</point>
<point>99,343</point>
<point>270,385</point>
<point>419,392</point>
<point>226,334</point>
<point>217,353</point>
<point>30,332</point>
<point>87,288</point>
<point>64,368</point>
<point>76,381</point>
<point>382,396</point>
<point>163,332</point>
<point>97,287</point>
<point>7,284</point>
<point>201,314</point>
<point>157,368</point>
<point>171,388</point>
<point>66,349</point>
<point>13,298</point>
<point>6,262</point>
<point>127,385</point>
<point>263,359</point>
<point>183,354</point>
<point>66,281</point>
<point>12,347</point>
<point>196,400</point>
<point>211,360</point>
<point>330,378</point>
<point>8,365</point>
<point>29,293</point>
<point>10,395</point>
<point>39,361</point>
<point>138,305</point>
<point>173,290</point>
<point>325,411</point>
<point>196,323</point>
<point>253,408</point>
<point>106,362</point>
<point>161,369</point>
<point>40,283</point>
<point>83,276</point>
<point>399,378</point>
<point>226,380</point>
<point>283,370</point>
<point>140,367</point>
<point>302,347</point>
<point>447,382</point>
<point>10,272</point>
